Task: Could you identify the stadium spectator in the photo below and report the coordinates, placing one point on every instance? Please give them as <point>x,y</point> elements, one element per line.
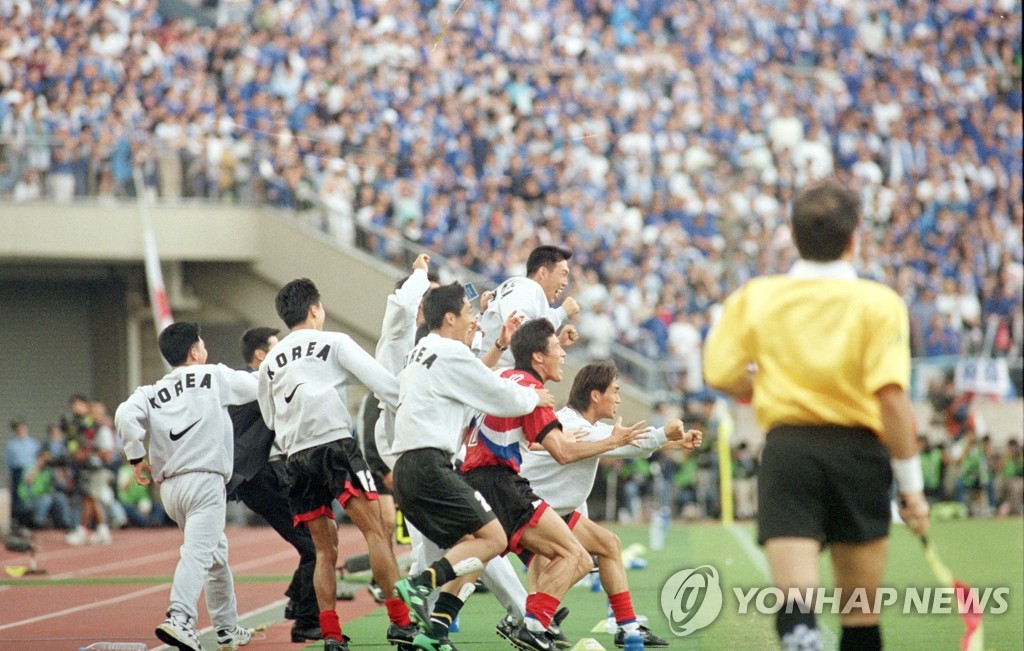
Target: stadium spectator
<point>664,131</point>
<point>42,501</point>
<point>20,455</point>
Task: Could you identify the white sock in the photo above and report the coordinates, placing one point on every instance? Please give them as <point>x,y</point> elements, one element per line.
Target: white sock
<point>630,628</point>
<point>533,624</point>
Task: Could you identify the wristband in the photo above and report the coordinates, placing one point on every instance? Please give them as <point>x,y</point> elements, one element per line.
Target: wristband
<point>499,346</point>
<point>908,475</point>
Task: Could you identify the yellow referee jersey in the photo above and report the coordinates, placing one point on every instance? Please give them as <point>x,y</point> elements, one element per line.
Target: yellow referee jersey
<point>823,340</point>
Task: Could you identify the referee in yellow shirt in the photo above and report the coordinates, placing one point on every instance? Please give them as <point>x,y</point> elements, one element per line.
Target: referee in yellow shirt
<point>825,358</point>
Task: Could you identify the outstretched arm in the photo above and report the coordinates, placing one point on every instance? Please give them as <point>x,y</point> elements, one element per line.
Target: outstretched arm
<point>564,452</point>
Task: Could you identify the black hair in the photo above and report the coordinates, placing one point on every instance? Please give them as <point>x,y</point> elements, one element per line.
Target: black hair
<point>421,331</point>
<point>295,299</point>
<point>547,256</point>
<point>176,340</point>
<point>255,339</point>
<point>596,376</point>
<point>531,337</point>
<point>824,217</point>
<point>446,299</point>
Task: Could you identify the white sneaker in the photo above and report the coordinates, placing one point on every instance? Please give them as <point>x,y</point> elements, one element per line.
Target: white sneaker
<point>179,633</point>
<point>101,536</point>
<point>78,537</point>
<point>229,639</point>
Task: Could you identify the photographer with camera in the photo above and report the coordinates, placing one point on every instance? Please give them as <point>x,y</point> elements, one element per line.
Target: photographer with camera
<point>91,445</point>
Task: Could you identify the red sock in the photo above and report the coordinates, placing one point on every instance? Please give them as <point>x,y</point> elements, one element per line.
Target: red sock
<point>398,612</point>
<point>330,627</point>
<point>622,607</point>
<point>542,607</point>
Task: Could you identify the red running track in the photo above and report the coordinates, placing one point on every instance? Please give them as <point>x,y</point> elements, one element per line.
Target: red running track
<point>119,592</point>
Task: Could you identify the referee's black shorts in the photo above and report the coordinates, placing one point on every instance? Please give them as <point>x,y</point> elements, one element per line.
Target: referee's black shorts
<point>514,502</point>
<point>436,499</point>
<point>825,482</point>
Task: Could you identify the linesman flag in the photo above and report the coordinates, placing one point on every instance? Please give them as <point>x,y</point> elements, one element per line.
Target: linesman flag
<point>967,601</point>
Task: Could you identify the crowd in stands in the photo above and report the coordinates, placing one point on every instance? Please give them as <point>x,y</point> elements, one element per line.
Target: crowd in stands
<point>661,140</point>
<point>77,479</point>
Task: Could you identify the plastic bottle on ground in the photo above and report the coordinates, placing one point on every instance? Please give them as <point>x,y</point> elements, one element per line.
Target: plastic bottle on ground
<point>115,646</point>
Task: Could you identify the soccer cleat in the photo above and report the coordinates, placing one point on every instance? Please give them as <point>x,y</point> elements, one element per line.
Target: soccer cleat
<point>416,597</point>
<point>302,633</point>
<point>526,639</point>
<point>506,629</point>
<point>229,639</point>
<point>402,635</point>
<point>336,645</point>
<point>101,536</point>
<point>78,537</point>
<point>651,641</point>
<point>376,592</point>
<point>425,642</point>
<point>555,629</point>
<point>179,633</point>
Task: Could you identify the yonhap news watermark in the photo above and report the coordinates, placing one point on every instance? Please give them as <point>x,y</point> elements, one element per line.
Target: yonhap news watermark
<point>692,599</point>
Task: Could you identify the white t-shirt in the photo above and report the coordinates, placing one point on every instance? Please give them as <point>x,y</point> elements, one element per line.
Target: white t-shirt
<point>566,488</point>
<point>524,296</point>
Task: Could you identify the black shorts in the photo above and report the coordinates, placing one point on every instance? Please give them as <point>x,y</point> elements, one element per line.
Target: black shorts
<point>321,474</point>
<point>824,482</point>
<point>371,414</point>
<point>512,498</point>
<point>436,499</point>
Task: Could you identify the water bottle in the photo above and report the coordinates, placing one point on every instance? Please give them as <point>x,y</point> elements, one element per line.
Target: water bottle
<point>114,646</point>
<point>658,528</point>
<point>633,642</point>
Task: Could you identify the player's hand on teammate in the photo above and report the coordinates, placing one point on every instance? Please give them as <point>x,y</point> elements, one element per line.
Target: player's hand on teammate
<point>567,336</point>
<point>914,512</point>
<point>571,307</point>
<point>422,262</point>
<point>629,435</point>
<point>547,399</point>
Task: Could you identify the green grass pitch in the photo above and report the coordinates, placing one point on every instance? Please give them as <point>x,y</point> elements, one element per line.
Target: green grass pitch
<point>982,553</point>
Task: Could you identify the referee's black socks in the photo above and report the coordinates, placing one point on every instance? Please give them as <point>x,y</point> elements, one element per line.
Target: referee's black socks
<point>798,631</point>
<point>861,638</point>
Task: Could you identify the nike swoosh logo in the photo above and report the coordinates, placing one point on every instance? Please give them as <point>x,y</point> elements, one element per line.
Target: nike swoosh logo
<point>288,398</point>
<point>175,437</point>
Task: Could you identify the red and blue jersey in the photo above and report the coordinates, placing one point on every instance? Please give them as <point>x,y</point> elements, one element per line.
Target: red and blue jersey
<point>495,441</point>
